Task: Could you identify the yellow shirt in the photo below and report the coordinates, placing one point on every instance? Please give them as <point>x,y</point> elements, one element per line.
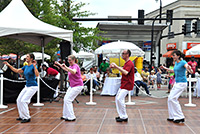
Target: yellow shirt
<point>145,74</point>
<point>25,63</point>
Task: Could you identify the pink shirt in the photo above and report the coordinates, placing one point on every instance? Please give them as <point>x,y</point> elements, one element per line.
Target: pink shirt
<point>75,79</point>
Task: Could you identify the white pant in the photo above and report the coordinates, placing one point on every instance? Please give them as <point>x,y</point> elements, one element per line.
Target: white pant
<point>174,108</point>
<point>120,103</point>
<point>71,94</point>
<point>24,99</point>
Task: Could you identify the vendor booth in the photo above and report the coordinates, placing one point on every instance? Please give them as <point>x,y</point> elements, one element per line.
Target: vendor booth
<point>114,50</point>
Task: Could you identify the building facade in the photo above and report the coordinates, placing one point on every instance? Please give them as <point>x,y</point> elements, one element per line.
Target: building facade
<point>181,9</point>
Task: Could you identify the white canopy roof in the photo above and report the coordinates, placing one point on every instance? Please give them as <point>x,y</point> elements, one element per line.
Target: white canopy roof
<point>194,50</point>
<point>118,47</point>
<point>83,54</point>
<point>18,22</point>
<point>38,56</point>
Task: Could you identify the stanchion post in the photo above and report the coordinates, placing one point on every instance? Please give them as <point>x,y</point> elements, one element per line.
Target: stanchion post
<point>190,95</point>
<point>1,99</point>
<point>38,94</point>
<point>129,99</point>
<point>91,93</point>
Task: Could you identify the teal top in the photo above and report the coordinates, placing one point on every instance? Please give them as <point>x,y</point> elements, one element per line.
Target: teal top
<point>180,71</point>
<point>29,74</point>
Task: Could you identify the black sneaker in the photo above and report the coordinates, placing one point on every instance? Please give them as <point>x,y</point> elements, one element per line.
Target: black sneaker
<point>19,119</point>
<point>70,119</point>
<point>168,119</point>
<point>179,120</point>
<point>26,120</point>
<point>122,120</point>
<point>62,118</point>
<point>117,118</point>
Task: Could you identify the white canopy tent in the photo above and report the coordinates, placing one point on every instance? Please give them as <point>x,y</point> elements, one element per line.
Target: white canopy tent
<point>194,50</point>
<point>83,54</point>
<point>18,22</point>
<point>38,56</point>
<point>118,47</point>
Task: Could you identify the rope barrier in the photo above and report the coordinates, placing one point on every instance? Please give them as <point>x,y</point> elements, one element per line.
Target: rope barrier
<point>17,81</point>
<point>148,94</point>
<point>63,92</point>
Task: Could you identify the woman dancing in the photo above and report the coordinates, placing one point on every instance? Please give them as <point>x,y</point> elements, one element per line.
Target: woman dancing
<point>30,72</point>
<point>76,85</point>
<point>174,108</point>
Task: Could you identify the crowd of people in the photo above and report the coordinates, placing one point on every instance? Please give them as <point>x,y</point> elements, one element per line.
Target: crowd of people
<point>79,77</point>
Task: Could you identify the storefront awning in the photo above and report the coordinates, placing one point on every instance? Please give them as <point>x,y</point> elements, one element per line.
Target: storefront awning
<point>168,54</point>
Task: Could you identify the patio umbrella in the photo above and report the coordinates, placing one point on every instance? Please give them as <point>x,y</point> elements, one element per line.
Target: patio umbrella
<point>193,51</point>
<point>38,56</point>
<point>118,47</point>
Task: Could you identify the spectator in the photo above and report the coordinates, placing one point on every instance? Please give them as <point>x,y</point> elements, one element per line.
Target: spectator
<point>139,82</point>
<point>88,77</point>
<point>159,79</point>
<point>50,71</point>
<point>83,76</point>
<point>25,63</point>
<point>152,78</point>
<point>103,66</point>
<point>145,74</point>
<point>171,77</point>
<point>96,72</point>
<point>193,65</point>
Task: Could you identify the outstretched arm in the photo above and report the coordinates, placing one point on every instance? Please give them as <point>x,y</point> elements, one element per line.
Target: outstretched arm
<point>167,69</point>
<point>123,71</point>
<point>64,67</point>
<point>13,69</point>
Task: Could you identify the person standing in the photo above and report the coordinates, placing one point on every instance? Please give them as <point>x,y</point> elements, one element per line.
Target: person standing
<point>127,83</point>
<point>30,72</point>
<point>76,85</point>
<point>193,65</point>
<point>103,66</point>
<point>174,108</point>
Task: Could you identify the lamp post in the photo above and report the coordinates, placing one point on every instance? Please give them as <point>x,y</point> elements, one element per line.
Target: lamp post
<point>160,9</point>
<point>152,36</point>
<point>159,39</point>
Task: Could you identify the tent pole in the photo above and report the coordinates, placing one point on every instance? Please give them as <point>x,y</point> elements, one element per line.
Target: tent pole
<point>42,45</point>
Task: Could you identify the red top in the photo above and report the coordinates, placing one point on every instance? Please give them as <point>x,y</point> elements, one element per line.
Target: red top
<point>127,81</point>
<point>193,65</point>
<point>52,71</point>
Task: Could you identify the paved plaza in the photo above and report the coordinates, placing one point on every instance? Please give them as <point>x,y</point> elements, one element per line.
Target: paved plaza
<point>147,116</point>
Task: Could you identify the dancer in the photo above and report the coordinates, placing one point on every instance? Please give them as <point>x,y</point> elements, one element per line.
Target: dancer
<point>174,108</point>
<point>76,85</point>
<point>24,98</point>
<point>127,83</point>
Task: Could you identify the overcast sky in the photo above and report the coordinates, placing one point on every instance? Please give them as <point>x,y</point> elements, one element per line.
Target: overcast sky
<point>105,8</point>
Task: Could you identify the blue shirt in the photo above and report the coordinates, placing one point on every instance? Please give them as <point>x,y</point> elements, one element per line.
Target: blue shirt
<point>29,75</point>
<point>179,71</point>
